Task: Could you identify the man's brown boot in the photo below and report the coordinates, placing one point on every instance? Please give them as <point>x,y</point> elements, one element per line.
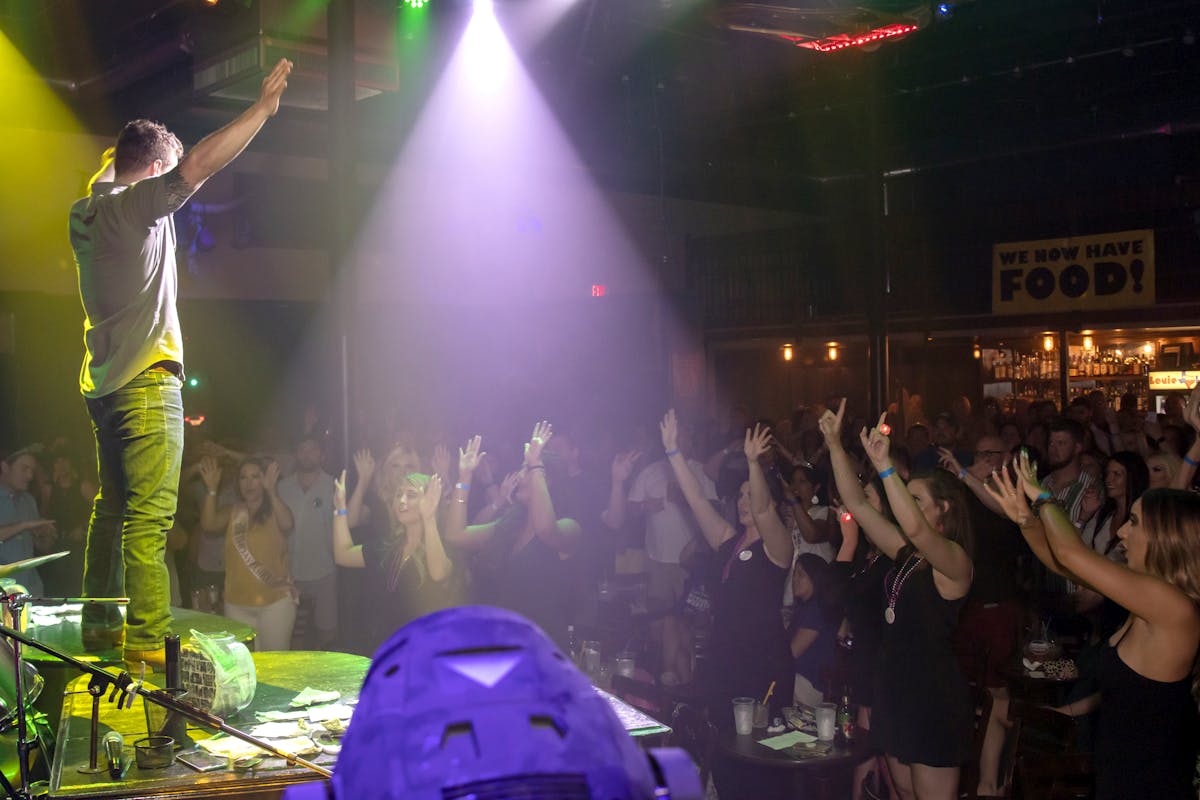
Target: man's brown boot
<point>156,660</point>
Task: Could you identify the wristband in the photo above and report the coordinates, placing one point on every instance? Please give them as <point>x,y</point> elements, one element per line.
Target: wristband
<point>1043,495</point>
<point>466,487</point>
<point>1190,462</point>
<point>887,472</point>
<point>532,467</point>
<point>674,452</point>
<point>212,492</point>
<point>340,512</point>
<point>962,474</point>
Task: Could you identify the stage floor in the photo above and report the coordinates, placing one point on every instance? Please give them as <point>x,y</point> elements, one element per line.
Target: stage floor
<point>61,631</point>
<point>281,676</point>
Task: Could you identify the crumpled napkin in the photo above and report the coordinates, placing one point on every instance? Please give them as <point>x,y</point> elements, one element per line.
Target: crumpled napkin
<point>312,697</point>
<point>332,711</point>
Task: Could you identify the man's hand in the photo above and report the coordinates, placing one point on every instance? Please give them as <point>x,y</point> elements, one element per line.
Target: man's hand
<point>273,86</point>
<point>669,428</point>
<point>622,465</point>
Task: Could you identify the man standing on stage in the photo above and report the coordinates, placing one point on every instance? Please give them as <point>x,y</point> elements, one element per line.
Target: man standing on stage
<point>123,236</point>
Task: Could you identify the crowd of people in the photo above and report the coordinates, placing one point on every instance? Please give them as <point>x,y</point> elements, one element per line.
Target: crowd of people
<point>819,554</point>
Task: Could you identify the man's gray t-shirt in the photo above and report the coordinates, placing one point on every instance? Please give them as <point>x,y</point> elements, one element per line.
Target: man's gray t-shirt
<point>19,507</point>
<point>124,243</point>
<point>310,545</point>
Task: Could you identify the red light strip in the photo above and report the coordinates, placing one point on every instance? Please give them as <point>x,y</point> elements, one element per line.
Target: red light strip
<point>841,42</point>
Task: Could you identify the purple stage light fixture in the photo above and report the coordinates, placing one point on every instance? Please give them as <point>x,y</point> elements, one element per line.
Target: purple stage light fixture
<point>478,702</point>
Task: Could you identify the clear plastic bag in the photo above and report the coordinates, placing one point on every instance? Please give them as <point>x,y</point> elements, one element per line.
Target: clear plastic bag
<point>218,673</point>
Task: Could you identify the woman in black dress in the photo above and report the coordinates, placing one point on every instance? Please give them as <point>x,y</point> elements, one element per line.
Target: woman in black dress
<point>859,571</point>
<point>1146,728</point>
<point>407,569</point>
<point>748,648</point>
<point>922,714</point>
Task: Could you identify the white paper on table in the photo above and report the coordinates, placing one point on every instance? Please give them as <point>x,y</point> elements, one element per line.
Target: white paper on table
<point>279,716</point>
<point>332,711</point>
<point>279,730</point>
<point>312,697</point>
<point>226,746</point>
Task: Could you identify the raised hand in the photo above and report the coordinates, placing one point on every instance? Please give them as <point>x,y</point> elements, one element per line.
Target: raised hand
<point>273,86</point>
<point>364,464</point>
<point>948,461</point>
<point>758,441</point>
<point>830,425</point>
<point>339,491</point>
<point>622,465</point>
<point>469,458</point>
<point>210,473</point>
<point>1191,410</point>
<point>537,442</point>
<point>507,487</point>
<point>876,444</point>
<point>669,428</point>
<point>1003,487</point>
<point>440,462</point>
<point>431,495</point>
<point>1026,470</point>
<point>271,476</point>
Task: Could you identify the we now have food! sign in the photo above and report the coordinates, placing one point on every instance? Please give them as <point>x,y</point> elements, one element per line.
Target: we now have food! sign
<point>1081,273</point>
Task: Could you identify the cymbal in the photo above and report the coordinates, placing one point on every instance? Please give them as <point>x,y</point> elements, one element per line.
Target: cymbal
<point>29,563</point>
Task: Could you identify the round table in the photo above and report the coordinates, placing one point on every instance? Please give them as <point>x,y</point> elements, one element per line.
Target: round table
<point>825,777</point>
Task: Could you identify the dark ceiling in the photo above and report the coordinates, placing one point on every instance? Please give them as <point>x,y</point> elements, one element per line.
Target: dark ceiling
<point>658,97</point>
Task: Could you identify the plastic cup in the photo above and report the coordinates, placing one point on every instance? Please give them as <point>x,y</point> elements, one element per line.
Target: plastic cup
<point>154,752</point>
<point>760,715</point>
<point>743,715</point>
<point>591,658</point>
<point>826,714</point>
<point>625,664</point>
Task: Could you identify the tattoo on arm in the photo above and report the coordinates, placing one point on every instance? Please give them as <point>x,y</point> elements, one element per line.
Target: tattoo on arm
<point>177,190</point>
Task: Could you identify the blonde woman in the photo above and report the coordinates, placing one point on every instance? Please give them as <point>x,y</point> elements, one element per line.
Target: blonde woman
<point>1146,730</point>
<point>407,569</point>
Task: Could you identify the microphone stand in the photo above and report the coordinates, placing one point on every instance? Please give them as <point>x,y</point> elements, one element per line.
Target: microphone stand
<point>16,602</point>
<point>122,683</point>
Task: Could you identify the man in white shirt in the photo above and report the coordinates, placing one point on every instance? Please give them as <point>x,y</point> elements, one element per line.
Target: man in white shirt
<point>668,524</point>
<point>308,492</point>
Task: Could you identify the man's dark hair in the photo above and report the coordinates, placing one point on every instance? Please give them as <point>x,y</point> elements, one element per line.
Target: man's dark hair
<point>142,142</point>
<point>1068,426</point>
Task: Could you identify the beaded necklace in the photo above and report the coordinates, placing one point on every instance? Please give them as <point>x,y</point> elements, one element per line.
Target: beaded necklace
<point>897,580</point>
<point>865,567</point>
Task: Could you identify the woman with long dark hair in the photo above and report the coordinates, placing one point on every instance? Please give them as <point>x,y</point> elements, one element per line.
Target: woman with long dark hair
<point>258,577</point>
<point>922,717</point>
<point>748,648</point>
<point>1146,730</point>
<point>859,572</point>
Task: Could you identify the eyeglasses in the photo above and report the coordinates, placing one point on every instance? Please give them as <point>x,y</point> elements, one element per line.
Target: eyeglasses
<point>990,453</point>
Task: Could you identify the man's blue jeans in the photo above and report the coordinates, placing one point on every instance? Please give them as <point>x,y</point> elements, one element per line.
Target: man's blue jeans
<point>139,446</point>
